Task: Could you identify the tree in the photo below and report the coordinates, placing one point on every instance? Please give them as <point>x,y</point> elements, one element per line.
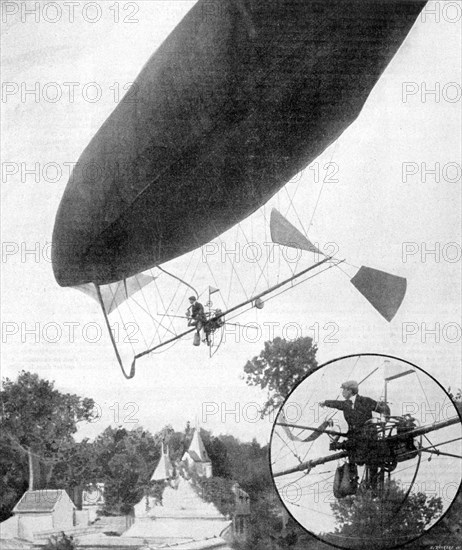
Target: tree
<point>217,490</point>
<point>77,470</point>
<point>37,423</point>
<point>125,462</point>
<point>279,368</point>
<point>62,542</point>
<point>390,521</point>
<point>38,416</point>
<point>13,475</point>
<point>218,454</point>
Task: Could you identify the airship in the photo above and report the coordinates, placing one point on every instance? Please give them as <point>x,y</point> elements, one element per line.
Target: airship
<point>238,99</point>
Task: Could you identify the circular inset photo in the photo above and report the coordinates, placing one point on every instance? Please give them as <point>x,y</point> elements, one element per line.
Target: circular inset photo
<point>366,452</point>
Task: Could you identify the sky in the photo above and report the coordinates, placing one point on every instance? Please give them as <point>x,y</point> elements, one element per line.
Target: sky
<point>378,204</point>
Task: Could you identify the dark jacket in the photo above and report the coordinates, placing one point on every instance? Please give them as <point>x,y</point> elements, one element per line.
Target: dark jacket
<point>362,411</point>
<point>197,311</point>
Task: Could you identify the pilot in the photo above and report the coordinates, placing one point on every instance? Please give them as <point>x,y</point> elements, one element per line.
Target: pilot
<point>362,437</point>
<point>196,318</point>
<point>195,312</point>
<point>356,408</point>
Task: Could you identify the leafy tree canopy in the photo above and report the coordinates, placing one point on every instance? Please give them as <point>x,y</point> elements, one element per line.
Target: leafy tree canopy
<point>62,542</point>
<point>124,462</point>
<point>279,368</point>
<point>37,423</point>
<point>390,520</point>
<point>36,415</point>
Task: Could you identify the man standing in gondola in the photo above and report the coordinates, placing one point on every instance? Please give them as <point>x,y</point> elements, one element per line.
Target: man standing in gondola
<point>196,316</point>
<point>362,437</point>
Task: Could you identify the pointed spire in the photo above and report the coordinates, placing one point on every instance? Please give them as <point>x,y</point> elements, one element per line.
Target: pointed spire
<point>164,467</point>
<point>198,448</point>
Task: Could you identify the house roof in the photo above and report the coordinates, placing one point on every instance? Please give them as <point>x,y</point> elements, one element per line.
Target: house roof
<point>164,467</point>
<point>44,500</point>
<point>148,543</point>
<point>176,530</point>
<point>205,544</point>
<point>14,544</point>
<point>197,448</point>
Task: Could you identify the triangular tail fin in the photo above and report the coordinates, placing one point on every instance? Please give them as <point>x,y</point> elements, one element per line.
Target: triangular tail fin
<point>283,232</point>
<point>383,290</point>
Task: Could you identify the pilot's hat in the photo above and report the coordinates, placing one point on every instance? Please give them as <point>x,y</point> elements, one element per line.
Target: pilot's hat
<point>350,385</point>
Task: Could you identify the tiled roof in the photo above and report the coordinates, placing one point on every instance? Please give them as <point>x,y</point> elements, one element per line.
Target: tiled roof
<point>197,447</point>
<point>176,529</point>
<point>44,500</point>
<point>195,456</point>
<point>206,544</point>
<point>14,544</point>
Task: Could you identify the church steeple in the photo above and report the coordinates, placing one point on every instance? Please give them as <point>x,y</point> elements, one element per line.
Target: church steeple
<point>196,456</point>
<point>164,468</point>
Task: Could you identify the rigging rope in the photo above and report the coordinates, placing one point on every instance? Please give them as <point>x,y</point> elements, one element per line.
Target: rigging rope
<point>120,314</point>
<point>178,279</point>
<point>111,336</point>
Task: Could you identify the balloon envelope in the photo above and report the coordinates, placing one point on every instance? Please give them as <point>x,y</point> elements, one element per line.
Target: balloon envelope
<point>239,98</point>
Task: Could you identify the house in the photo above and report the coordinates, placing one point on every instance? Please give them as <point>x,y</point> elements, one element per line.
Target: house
<point>43,510</point>
<point>182,518</point>
<point>178,513</point>
<point>196,457</point>
<point>93,501</point>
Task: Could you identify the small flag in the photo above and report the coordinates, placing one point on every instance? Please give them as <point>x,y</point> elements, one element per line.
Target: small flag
<point>393,371</point>
<point>212,290</point>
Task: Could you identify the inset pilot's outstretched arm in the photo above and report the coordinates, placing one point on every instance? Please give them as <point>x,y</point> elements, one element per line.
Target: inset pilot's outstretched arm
<point>333,404</point>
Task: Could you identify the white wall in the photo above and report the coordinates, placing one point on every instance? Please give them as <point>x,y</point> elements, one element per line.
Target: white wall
<point>63,515</point>
<point>30,523</point>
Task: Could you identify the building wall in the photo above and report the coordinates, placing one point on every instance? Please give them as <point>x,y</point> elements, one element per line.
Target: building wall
<point>202,469</point>
<point>63,514</point>
<point>82,517</point>
<point>207,469</point>
<point>29,523</point>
